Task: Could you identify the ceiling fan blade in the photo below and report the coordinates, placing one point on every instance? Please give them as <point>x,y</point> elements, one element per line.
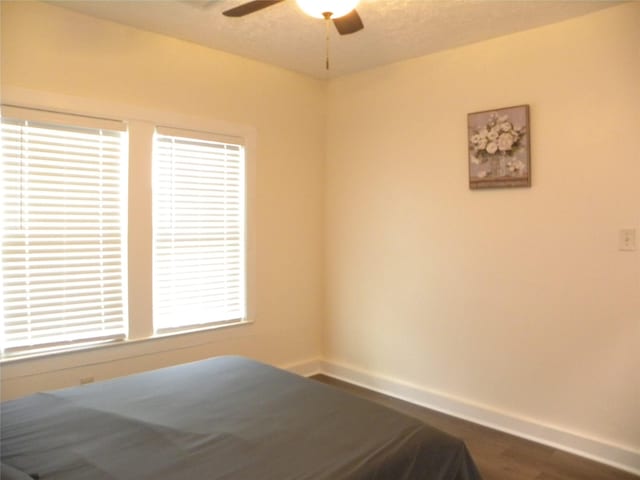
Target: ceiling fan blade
<point>249,7</point>
<point>349,23</point>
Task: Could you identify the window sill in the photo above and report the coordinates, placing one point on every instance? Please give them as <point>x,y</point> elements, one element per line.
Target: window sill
<point>187,335</point>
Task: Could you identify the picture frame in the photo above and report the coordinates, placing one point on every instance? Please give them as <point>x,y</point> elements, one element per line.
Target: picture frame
<point>499,148</point>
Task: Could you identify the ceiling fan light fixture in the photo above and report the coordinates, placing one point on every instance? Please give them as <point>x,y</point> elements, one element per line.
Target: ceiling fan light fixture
<point>319,8</point>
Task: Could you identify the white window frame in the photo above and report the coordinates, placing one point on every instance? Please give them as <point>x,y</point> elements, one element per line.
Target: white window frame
<point>141,124</point>
<point>184,314</point>
<point>51,315</point>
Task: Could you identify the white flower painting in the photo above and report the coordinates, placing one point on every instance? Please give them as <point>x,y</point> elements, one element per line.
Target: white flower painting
<point>499,152</point>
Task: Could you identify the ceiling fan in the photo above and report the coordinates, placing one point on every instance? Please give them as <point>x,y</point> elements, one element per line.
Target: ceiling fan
<point>341,12</point>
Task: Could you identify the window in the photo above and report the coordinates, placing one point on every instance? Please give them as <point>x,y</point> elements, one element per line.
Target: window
<point>63,254</point>
<point>198,230</point>
<point>68,193</point>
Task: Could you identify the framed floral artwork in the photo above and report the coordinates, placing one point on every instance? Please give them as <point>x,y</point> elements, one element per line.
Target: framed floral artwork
<point>499,148</point>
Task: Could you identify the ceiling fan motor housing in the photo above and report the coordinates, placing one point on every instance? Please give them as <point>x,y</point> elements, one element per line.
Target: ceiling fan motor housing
<point>320,8</point>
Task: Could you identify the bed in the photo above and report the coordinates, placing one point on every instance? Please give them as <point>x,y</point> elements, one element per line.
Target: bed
<point>225,418</point>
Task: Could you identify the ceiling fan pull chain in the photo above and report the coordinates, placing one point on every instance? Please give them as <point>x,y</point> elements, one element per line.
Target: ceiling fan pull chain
<point>327,21</point>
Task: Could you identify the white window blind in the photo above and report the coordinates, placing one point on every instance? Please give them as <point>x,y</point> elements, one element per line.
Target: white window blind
<point>199,230</point>
<point>63,262</point>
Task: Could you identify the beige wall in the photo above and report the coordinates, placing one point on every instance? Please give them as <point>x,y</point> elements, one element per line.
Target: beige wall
<point>515,299</point>
<point>49,49</point>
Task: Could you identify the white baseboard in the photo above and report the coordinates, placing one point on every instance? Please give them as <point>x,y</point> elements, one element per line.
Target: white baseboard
<point>600,451</point>
<point>306,368</point>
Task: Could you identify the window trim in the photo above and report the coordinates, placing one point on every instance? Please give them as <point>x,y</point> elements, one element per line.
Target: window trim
<point>144,121</point>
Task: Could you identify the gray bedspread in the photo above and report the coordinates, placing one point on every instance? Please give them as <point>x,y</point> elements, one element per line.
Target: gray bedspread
<point>227,418</point>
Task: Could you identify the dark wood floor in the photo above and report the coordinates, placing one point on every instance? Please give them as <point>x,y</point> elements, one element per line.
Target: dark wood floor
<point>499,456</point>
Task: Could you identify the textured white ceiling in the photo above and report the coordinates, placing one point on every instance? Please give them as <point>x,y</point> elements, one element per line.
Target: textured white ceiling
<point>282,35</point>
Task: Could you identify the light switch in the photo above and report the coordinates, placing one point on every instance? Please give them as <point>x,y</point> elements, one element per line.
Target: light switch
<point>627,240</point>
